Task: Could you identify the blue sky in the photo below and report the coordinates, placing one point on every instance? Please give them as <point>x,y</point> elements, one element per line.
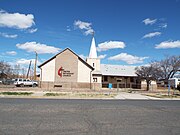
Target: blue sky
<point>127,32</point>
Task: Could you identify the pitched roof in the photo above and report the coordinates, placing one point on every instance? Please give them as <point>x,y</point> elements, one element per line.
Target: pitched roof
<point>62,52</point>
<point>118,70</point>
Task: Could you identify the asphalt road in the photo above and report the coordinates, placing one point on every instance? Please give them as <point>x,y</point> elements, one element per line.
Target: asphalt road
<point>89,117</point>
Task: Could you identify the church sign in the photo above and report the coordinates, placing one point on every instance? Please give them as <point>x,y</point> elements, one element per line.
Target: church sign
<point>64,73</point>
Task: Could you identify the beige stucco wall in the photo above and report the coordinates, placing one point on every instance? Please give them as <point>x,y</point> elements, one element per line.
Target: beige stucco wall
<point>83,72</point>
<point>48,71</point>
<point>65,86</point>
<point>144,82</point>
<point>47,85</point>
<point>75,74</point>
<point>96,62</point>
<point>99,78</point>
<point>96,72</point>
<point>69,62</point>
<point>96,86</point>
<point>152,86</point>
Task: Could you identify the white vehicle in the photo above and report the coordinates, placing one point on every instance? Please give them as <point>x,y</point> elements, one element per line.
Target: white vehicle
<point>174,82</point>
<point>25,82</point>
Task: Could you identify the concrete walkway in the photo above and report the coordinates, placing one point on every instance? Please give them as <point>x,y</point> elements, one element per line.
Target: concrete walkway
<point>124,95</point>
<point>121,95</point>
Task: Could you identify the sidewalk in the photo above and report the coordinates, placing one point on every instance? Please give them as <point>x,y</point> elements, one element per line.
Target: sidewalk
<point>137,96</point>
<point>124,95</point>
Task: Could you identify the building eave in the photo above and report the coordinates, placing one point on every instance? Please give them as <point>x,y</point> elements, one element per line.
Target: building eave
<point>62,52</point>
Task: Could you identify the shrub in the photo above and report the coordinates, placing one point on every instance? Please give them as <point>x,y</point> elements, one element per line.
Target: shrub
<point>16,93</point>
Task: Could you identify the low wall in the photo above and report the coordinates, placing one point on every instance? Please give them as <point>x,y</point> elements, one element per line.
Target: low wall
<point>151,87</point>
<point>71,85</point>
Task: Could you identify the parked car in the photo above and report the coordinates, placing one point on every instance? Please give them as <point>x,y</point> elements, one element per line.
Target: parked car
<point>25,82</point>
<point>7,82</point>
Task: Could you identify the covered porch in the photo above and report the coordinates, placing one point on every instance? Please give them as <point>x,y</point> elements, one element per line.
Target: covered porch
<point>121,82</point>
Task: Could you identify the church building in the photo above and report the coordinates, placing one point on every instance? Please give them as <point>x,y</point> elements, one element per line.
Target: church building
<point>67,70</point>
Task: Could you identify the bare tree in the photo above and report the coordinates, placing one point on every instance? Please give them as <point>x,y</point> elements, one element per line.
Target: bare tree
<point>5,68</point>
<point>149,73</point>
<point>170,66</point>
<point>157,70</point>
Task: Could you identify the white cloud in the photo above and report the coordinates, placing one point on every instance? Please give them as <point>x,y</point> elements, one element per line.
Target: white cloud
<point>149,21</point>
<point>8,35</point>
<point>23,65</point>
<point>168,44</point>
<point>89,32</point>
<point>153,34</point>
<point>39,48</point>
<point>110,45</point>
<point>102,56</point>
<point>163,25</point>
<point>82,25</point>
<point>16,20</point>
<point>86,26</point>
<point>25,62</point>
<point>84,57</point>
<point>11,52</point>
<point>32,30</point>
<point>129,59</point>
<point>68,28</point>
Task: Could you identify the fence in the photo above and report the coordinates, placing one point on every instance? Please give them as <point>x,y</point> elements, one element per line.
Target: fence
<point>122,85</point>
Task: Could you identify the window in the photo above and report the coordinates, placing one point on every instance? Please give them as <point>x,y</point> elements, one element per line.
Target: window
<point>94,79</point>
<point>105,78</point>
<point>93,64</point>
<point>119,80</point>
<point>131,79</point>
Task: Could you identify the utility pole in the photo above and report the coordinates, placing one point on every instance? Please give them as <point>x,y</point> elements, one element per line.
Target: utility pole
<point>28,70</point>
<point>35,63</point>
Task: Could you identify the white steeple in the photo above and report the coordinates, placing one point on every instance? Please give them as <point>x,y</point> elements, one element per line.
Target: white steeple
<point>94,61</point>
<point>93,52</point>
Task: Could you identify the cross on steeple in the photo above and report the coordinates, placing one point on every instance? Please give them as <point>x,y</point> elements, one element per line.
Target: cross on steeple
<point>93,33</point>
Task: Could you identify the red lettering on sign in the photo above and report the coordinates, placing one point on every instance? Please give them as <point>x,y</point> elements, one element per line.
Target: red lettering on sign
<point>60,71</point>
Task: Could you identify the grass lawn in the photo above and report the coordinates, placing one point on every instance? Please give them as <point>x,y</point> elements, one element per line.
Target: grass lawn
<point>82,95</point>
<point>163,95</point>
<point>16,93</point>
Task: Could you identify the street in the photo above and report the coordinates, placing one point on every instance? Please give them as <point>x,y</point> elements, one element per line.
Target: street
<point>89,117</point>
